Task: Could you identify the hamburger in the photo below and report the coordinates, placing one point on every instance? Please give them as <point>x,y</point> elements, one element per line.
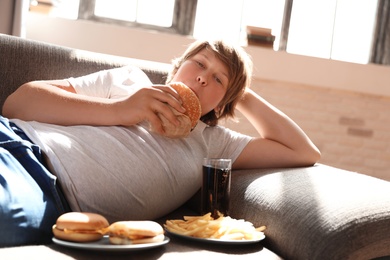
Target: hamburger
<point>135,232</point>
<point>189,119</point>
<point>80,227</point>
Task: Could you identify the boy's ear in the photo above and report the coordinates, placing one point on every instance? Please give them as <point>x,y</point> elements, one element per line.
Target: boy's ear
<point>218,111</point>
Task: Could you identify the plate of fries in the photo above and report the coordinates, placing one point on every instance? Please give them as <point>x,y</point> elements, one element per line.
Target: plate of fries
<point>222,230</point>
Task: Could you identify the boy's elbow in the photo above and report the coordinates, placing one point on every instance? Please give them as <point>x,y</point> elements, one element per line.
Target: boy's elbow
<point>13,103</point>
<point>313,157</point>
<point>7,109</point>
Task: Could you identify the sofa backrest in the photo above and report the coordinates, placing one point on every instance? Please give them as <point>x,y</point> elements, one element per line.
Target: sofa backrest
<point>23,60</point>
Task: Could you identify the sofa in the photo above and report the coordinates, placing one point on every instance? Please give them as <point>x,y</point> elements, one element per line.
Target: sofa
<point>317,212</point>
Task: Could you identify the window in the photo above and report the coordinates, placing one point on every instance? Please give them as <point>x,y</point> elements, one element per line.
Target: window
<point>58,8</point>
<point>331,29</point>
<point>137,11</point>
<point>219,19</point>
<point>336,29</point>
<point>265,14</point>
<point>164,15</point>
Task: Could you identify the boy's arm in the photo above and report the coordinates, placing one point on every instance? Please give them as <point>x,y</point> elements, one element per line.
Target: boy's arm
<point>282,143</point>
<point>56,102</point>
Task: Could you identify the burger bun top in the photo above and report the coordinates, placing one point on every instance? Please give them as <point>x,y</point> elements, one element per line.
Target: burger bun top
<point>190,102</point>
<point>188,119</point>
<point>81,221</point>
<point>80,227</point>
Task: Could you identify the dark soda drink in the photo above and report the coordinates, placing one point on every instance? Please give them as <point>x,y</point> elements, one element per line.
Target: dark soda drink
<point>215,191</point>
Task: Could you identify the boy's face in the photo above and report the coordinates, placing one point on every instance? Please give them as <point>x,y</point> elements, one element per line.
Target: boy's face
<point>207,76</point>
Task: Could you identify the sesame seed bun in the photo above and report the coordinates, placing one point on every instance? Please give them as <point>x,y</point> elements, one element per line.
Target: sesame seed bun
<point>190,102</point>
<point>189,119</point>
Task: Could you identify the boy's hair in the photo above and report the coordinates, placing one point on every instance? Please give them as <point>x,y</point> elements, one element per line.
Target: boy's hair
<point>240,72</point>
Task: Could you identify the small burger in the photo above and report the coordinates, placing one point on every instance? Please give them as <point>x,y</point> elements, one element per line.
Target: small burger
<point>135,232</point>
<point>80,227</point>
<point>189,119</point>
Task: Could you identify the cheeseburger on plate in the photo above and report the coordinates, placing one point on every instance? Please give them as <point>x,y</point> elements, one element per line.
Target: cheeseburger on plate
<point>88,227</point>
<point>135,232</point>
<point>80,227</point>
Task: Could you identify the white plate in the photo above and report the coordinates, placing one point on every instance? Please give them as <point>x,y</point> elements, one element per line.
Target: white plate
<point>216,241</point>
<point>104,245</point>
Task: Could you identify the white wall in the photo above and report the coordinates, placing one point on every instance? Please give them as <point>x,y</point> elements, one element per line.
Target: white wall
<point>162,47</point>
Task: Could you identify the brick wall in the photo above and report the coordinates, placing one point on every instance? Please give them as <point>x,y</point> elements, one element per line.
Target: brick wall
<point>352,130</point>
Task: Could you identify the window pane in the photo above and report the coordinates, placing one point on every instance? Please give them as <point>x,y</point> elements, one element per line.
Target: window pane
<point>117,9</point>
<point>65,9</point>
<point>218,19</point>
<point>311,27</point>
<point>354,28</point>
<point>265,14</point>
<point>337,29</point>
<point>156,12</point>
<point>227,20</point>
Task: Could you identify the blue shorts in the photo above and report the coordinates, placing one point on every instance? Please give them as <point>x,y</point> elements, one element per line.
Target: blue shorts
<point>30,201</point>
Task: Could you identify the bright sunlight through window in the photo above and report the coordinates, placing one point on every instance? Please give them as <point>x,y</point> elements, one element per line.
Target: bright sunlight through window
<point>340,30</point>
<point>142,11</point>
<point>330,29</point>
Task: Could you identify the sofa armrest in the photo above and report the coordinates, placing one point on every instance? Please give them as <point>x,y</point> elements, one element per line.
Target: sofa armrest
<point>317,212</point>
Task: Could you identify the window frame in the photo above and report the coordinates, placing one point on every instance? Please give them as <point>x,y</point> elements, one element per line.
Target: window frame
<point>183,19</point>
<point>285,25</point>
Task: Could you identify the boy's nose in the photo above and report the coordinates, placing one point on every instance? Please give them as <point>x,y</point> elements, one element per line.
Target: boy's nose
<point>202,80</point>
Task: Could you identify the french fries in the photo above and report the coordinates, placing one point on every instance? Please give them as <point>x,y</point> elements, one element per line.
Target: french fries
<point>223,228</point>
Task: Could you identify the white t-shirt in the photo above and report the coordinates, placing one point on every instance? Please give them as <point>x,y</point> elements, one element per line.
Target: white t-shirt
<point>127,173</point>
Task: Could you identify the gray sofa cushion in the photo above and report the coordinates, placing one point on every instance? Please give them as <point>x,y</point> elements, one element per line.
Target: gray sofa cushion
<point>318,212</point>
<point>26,60</point>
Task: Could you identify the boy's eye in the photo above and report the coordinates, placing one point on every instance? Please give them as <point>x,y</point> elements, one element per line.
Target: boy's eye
<point>200,64</point>
<point>218,80</point>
